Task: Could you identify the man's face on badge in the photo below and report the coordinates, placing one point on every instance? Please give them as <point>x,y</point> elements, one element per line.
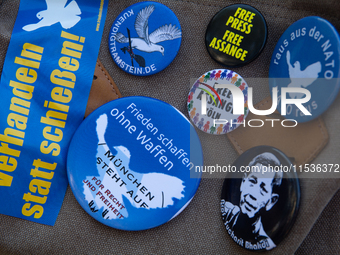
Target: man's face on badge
<point>256,192</point>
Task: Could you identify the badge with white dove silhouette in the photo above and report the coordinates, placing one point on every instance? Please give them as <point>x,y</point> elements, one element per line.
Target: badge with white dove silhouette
<point>130,169</point>
<point>145,38</point>
<point>306,57</point>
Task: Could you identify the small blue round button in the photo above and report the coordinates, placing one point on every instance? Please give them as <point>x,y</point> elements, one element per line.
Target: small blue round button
<point>131,163</point>
<point>145,38</point>
<point>306,60</point>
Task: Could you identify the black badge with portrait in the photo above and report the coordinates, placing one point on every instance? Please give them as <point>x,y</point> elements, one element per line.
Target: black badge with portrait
<point>260,200</point>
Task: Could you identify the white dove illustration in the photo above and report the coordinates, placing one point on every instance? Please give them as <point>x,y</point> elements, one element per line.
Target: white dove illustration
<point>301,78</point>
<point>148,42</point>
<point>57,11</point>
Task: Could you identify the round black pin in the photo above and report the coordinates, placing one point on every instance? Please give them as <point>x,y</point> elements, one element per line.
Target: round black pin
<point>260,198</point>
<point>236,35</point>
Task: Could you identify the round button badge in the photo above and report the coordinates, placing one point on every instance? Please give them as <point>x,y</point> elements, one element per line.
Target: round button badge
<point>128,165</point>
<point>260,198</point>
<point>305,69</point>
<point>145,38</point>
<point>236,35</point>
<point>218,101</point>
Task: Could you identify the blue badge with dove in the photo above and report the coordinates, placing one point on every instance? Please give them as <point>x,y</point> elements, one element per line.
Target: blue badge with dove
<point>307,56</point>
<point>130,169</point>
<point>145,38</point>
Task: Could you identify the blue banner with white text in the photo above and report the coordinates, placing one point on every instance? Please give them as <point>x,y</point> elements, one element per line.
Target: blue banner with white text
<point>44,88</point>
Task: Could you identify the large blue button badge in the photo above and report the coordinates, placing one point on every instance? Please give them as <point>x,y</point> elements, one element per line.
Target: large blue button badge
<point>306,57</point>
<point>145,38</point>
<point>129,165</point>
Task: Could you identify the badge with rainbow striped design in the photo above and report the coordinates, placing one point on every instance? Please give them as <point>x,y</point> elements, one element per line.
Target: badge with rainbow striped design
<point>210,101</point>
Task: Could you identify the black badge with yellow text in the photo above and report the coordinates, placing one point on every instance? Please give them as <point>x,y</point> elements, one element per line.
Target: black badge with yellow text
<point>236,35</point>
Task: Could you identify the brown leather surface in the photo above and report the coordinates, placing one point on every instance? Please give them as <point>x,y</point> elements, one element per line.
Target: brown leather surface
<point>103,89</point>
<point>301,143</point>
